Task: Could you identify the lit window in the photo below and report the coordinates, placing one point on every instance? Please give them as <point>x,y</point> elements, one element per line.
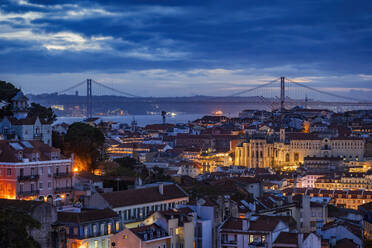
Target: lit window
<point>109,228</point>
<point>117,226</point>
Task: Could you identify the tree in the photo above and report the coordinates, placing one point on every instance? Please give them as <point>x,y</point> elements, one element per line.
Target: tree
<point>7,92</point>
<point>125,166</point>
<point>86,143</point>
<point>14,227</point>
<point>44,113</point>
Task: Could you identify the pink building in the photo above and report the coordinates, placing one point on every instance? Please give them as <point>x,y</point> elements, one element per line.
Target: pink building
<point>33,170</point>
<point>142,237</point>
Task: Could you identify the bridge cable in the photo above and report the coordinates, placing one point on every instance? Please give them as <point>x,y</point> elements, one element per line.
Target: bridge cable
<point>323,92</point>
<point>255,88</point>
<point>72,87</point>
<point>114,90</point>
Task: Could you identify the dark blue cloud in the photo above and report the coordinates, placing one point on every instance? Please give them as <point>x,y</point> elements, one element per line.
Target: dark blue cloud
<point>297,38</point>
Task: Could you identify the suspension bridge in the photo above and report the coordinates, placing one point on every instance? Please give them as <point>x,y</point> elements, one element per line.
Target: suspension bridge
<point>279,93</point>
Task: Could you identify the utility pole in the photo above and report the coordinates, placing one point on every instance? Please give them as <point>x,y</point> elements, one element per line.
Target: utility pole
<point>89,98</point>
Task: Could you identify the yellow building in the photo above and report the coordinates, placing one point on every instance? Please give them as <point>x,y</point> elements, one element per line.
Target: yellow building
<point>294,147</point>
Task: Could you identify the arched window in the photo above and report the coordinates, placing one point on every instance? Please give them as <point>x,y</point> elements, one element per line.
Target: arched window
<point>287,157</point>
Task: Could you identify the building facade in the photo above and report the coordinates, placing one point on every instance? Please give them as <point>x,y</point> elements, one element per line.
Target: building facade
<point>293,149</point>
<point>34,170</point>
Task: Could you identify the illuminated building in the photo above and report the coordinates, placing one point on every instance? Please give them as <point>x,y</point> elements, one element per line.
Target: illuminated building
<point>34,170</point>
<point>180,223</point>
<point>211,160</point>
<point>143,237</point>
<point>87,228</point>
<point>341,198</point>
<point>351,181</point>
<point>130,149</point>
<point>294,147</point>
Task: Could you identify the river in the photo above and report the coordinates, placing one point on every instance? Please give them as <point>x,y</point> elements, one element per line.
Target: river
<point>142,120</point>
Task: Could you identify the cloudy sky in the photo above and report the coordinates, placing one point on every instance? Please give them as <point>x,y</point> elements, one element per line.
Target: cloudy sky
<point>186,47</point>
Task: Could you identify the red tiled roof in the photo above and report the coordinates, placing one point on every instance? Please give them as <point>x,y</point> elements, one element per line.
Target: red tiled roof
<point>346,243</point>
<point>86,215</point>
<point>143,195</point>
<point>9,153</point>
<point>287,239</point>
<point>262,224</point>
<point>159,127</point>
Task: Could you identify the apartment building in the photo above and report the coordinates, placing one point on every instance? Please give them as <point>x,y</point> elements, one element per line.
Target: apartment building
<point>180,223</point>
<point>341,198</point>
<point>88,228</point>
<point>33,170</point>
<point>260,231</point>
<point>351,181</point>
<point>135,205</point>
<point>152,236</point>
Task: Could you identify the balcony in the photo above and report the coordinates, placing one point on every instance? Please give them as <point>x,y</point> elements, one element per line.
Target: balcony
<point>28,178</point>
<point>38,136</point>
<point>29,193</point>
<point>258,244</point>
<point>63,175</point>
<point>63,190</point>
<point>229,242</point>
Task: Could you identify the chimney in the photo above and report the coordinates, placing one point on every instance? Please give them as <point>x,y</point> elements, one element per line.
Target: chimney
<point>245,225</point>
<point>333,241</point>
<point>161,189</point>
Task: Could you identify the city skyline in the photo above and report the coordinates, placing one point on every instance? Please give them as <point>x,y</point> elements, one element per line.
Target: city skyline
<point>185,48</point>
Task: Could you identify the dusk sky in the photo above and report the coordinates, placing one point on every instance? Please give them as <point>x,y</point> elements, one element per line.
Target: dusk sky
<point>185,47</point>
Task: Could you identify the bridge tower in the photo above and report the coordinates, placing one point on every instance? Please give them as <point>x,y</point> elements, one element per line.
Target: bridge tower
<point>89,98</point>
<point>282,96</point>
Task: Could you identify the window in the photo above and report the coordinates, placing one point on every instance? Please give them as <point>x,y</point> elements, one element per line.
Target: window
<point>95,243</point>
<point>76,231</point>
<point>109,228</point>
<point>86,231</point>
<point>296,157</point>
<point>21,188</point>
<point>9,171</point>
<point>49,185</point>
<point>49,170</point>
<point>103,245</point>
<point>117,226</point>
<point>21,172</point>
<point>95,229</point>
<point>102,229</point>
<point>40,185</point>
<point>32,171</point>
<point>41,171</point>
<point>32,187</point>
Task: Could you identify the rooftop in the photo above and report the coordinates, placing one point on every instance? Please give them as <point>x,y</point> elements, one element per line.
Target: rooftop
<point>143,195</point>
